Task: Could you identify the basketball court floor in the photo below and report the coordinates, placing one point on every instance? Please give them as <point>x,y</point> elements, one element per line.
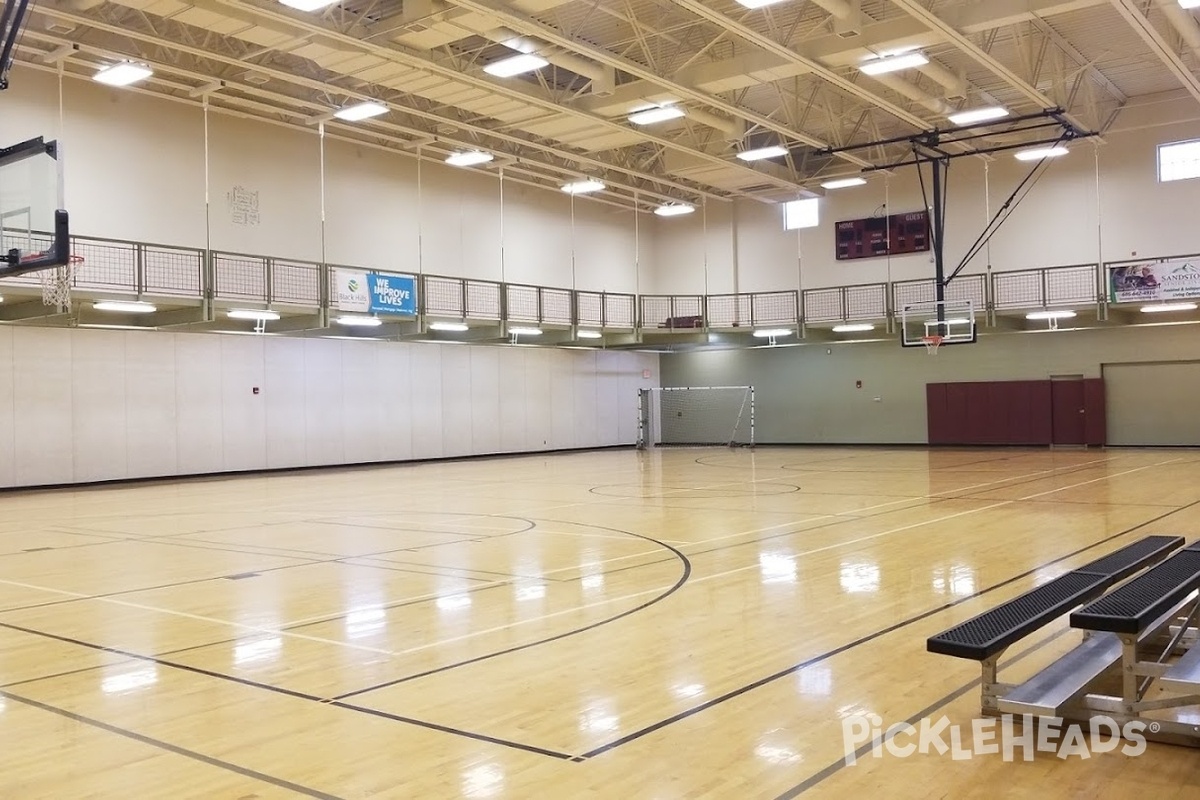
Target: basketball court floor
<point>677,623</point>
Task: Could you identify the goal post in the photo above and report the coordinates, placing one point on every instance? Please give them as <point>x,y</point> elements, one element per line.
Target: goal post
<point>696,416</point>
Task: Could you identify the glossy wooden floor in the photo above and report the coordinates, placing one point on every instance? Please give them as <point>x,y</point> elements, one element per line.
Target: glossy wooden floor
<point>683,623</point>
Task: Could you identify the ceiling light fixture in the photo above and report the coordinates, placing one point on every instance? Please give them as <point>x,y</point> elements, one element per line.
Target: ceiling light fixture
<point>359,322</point>
<point>978,115</point>
<point>842,183</point>
<point>1164,307</point>
<point>525,331</point>
<point>590,335</point>
<point>468,159</point>
<point>1060,314</point>
<point>772,333</point>
<point>448,327</point>
<point>1038,153</point>
<point>125,306</point>
<point>674,210</point>
<point>758,3</point>
<point>123,74</point>
<point>307,5</point>
<point>361,111</point>
<point>515,65</point>
<point>655,114</point>
<point>881,66</point>
<point>857,327</point>
<point>256,314</point>
<point>1189,4</point>
<point>583,187</point>
<point>759,153</point>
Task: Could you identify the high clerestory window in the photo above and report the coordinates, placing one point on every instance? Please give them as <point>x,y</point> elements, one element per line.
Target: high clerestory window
<point>800,214</point>
<point>1178,161</point>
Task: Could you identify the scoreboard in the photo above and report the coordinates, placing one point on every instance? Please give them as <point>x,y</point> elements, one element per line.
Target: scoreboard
<point>893,235</point>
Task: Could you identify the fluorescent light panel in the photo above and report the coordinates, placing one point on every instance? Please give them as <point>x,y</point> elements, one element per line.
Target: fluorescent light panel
<point>854,328</point>
<point>583,187</point>
<point>468,159</point>
<point>256,314</point>
<point>1164,307</point>
<point>651,116</point>
<point>1060,314</point>
<point>525,331</point>
<point>123,74</point>
<point>773,333</point>
<point>449,327</point>
<point>515,65</point>
<point>978,115</point>
<point>1189,4</point>
<point>674,210</point>
<point>1040,152</point>
<point>758,3</point>
<point>125,306</point>
<point>759,153</point>
<point>589,335</point>
<point>880,66</point>
<point>307,5</point>
<point>842,183</point>
<point>359,322</point>
<point>361,111</point>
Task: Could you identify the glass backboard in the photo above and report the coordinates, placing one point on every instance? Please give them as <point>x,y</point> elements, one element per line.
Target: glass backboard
<point>33,225</point>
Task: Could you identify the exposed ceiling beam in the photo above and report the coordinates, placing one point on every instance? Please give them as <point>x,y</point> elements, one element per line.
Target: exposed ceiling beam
<point>314,85</point>
<point>986,60</point>
<point>815,67</point>
<point>551,35</point>
<point>1158,45</point>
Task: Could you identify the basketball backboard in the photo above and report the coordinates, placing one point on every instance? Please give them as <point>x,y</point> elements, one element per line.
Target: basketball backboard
<point>948,322</point>
<point>34,232</point>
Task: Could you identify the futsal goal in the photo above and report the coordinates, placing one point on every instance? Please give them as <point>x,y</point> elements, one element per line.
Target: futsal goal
<point>696,416</point>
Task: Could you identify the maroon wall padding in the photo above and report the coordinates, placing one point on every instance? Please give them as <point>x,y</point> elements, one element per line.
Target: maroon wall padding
<point>991,412</point>
<point>1095,413</point>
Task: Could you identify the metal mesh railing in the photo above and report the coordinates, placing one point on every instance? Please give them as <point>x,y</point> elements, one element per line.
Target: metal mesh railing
<point>1035,288</point>
<point>111,266</point>
<point>673,312</point>
<point>521,303</point>
<point>729,310</point>
<point>443,296</point>
<point>619,310</point>
<point>556,306</point>
<point>483,300</point>
<point>172,271</point>
<point>239,277</point>
<point>923,292</point>
<point>296,283</point>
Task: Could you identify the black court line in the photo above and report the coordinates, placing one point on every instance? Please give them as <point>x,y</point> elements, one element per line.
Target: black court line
<point>683,578</point>
<point>479,737</point>
<point>836,766</point>
<point>783,673</point>
<point>171,748</point>
<point>848,518</point>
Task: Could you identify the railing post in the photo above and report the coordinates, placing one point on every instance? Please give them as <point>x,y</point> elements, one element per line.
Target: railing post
<point>269,277</point>
<point>462,288</point>
<point>139,261</point>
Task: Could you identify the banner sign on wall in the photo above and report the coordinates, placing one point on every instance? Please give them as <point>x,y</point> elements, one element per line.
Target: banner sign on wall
<point>1167,280</point>
<point>375,293</point>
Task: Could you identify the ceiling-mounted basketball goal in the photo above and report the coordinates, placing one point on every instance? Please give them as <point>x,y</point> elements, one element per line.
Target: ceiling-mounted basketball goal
<point>941,321</point>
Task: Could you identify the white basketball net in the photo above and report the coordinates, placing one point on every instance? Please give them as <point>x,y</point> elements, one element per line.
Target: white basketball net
<point>57,283</point>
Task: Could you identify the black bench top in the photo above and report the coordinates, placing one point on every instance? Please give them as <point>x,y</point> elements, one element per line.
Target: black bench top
<point>1120,564</point>
<point>1132,607</point>
<point>992,631</point>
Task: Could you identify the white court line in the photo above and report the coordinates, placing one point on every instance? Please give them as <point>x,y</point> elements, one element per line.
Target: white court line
<point>573,609</point>
<point>941,519</point>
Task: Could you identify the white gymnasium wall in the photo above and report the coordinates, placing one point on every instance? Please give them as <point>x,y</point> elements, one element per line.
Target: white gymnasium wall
<point>1070,217</point>
<point>89,405</point>
<point>135,170</point>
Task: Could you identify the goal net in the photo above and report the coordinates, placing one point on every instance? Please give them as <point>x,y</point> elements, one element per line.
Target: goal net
<point>696,415</point>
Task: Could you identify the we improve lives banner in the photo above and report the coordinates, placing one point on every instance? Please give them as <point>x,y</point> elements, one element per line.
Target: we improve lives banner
<point>376,293</point>
<point>1166,280</point>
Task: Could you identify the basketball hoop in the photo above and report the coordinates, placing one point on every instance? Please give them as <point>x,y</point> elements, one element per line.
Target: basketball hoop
<point>932,343</point>
<point>57,283</point>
